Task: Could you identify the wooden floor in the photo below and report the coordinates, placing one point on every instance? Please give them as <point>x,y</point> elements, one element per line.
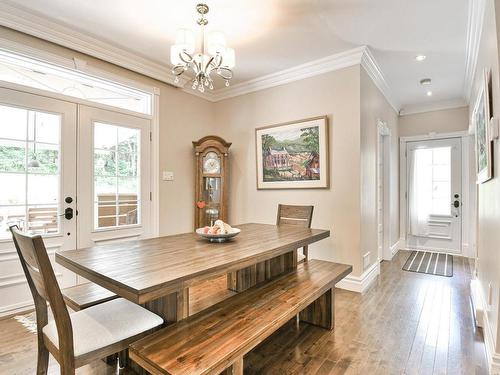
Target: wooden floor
<point>407,323</point>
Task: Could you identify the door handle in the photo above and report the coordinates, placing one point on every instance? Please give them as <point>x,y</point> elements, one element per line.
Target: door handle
<point>456,204</point>
<point>68,213</point>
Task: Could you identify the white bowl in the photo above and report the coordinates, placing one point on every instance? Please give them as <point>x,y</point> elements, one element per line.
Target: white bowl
<point>218,237</point>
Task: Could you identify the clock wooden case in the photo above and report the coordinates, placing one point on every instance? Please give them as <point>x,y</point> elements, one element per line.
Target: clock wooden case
<point>211,190</point>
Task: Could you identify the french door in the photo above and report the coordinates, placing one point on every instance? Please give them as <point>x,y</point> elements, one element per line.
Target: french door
<point>75,174</point>
<point>435,195</point>
<point>37,184</point>
<point>113,177</point>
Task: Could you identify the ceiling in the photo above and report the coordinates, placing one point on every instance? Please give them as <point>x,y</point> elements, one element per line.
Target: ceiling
<point>273,35</point>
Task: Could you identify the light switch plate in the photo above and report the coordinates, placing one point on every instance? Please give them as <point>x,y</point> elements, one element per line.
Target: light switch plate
<point>168,176</point>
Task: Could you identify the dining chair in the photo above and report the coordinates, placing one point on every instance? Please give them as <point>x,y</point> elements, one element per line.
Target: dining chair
<point>296,215</point>
<point>84,336</point>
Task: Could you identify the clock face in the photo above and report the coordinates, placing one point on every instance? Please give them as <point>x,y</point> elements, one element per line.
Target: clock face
<point>211,163</point>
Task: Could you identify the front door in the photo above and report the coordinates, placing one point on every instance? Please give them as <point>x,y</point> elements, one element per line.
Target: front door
<point>37,185</point>
<point>435,195</point>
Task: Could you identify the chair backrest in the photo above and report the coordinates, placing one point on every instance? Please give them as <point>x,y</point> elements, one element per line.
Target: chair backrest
<point>44,287</point>
<point>294,215</point>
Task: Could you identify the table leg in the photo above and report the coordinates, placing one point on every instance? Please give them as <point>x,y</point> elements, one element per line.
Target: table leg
<point>171,308</point>
<point>321,312</point>
<point>245,278</point>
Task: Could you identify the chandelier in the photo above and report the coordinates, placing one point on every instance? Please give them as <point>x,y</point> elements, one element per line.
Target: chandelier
<point>216,58</point>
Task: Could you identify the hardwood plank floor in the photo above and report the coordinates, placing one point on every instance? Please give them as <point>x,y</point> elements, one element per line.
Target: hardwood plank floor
<point>407,323</point>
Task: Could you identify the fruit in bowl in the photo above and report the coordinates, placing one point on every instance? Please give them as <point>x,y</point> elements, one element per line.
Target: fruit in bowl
<point>219,232</point>
<point>219,227</point>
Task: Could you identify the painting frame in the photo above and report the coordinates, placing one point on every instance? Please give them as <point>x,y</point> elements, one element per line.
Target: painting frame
<point>481,116</point>
<point>323,155</point>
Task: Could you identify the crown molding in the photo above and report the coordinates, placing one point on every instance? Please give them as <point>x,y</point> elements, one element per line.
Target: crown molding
<point>28,22</point>
<point>313,68</point>
<point>371,67</point>
<point>474,30</point>
<point>435,106</point>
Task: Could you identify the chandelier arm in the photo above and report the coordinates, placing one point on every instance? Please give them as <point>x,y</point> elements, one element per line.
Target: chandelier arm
<point>225,73</point>
<point>182,56</point>
<point>178,69</point>
<point>217,61</point>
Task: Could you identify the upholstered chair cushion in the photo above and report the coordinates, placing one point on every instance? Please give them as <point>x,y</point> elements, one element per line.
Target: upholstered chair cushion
<point>105,324</point>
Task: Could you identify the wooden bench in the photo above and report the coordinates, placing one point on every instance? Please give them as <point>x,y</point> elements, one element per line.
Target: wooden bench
<point>217,338</point>
<point>81,296</point>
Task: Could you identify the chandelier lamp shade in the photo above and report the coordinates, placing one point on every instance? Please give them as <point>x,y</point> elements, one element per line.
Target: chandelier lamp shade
<point>214,57</point>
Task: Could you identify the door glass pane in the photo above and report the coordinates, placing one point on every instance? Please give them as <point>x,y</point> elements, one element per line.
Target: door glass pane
<point>12,189</point>
<point>12,155</point>
<point>430,185</point>
<point>29,170</point>
<point>116,176</point>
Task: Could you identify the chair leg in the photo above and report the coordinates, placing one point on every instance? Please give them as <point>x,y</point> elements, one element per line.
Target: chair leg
<point>67,369</point>
<point>42,365</point>
<point>305,251</point>
<point>123,359</point>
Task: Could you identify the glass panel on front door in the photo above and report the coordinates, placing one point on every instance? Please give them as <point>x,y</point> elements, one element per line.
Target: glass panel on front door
<point>29,170</point>
<point>116,176</point>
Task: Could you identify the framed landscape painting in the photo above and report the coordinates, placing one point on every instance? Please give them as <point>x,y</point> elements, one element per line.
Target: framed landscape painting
<point>481,119</point>
<point>293,155</point>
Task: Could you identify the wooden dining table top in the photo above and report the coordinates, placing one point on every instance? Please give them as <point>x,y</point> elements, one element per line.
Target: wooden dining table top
<point>143,270</point>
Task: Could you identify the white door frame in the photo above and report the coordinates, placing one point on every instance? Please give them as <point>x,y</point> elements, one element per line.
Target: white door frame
<point>467,230</point>
<point>384,133</point>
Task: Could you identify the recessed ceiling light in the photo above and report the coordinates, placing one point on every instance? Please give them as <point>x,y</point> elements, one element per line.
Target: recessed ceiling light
<point>425,81</point>
<point>420,57</point>
<point>429,93</point>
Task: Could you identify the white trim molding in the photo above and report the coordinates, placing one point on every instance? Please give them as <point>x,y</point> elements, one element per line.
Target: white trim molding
<point>361,283</point>
<point>481,320</point>
<point>474,30</point>
<point>434,106</point>
<point>371,67</point>
<point>16,308</point>
<point>398,245</point>
<point>18,18</point>
<point>327,64</point>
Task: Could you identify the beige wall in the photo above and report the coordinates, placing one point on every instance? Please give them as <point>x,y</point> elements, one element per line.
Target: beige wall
<point>444,121</point>
<point>488,240</point>
<point>337,95</point>
<point>183,118</point>
<point>375,108</point>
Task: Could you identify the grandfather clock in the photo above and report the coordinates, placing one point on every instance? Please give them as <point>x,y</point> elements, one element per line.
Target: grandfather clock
<point>212,167</point>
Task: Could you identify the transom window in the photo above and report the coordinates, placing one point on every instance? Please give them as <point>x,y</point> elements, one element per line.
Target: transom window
<point>29,170</point>
<point>116,176</point>
<point>30,72</point>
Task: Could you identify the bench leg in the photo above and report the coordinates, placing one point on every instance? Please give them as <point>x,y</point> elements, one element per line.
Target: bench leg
<point>321,312</point>
<point>235,369</point>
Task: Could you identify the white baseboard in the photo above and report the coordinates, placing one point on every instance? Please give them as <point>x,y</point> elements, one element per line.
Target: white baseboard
<point>400,244</point>
<point>477,302</point>
<point>361,283</point>
<point>16,308</point>
<point>482,321</point>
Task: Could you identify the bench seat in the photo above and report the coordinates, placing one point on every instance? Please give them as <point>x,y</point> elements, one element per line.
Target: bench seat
<point>217,338</point>
<point>81,296</point>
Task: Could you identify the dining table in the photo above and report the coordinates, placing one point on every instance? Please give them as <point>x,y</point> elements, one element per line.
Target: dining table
<point>158,272</point>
